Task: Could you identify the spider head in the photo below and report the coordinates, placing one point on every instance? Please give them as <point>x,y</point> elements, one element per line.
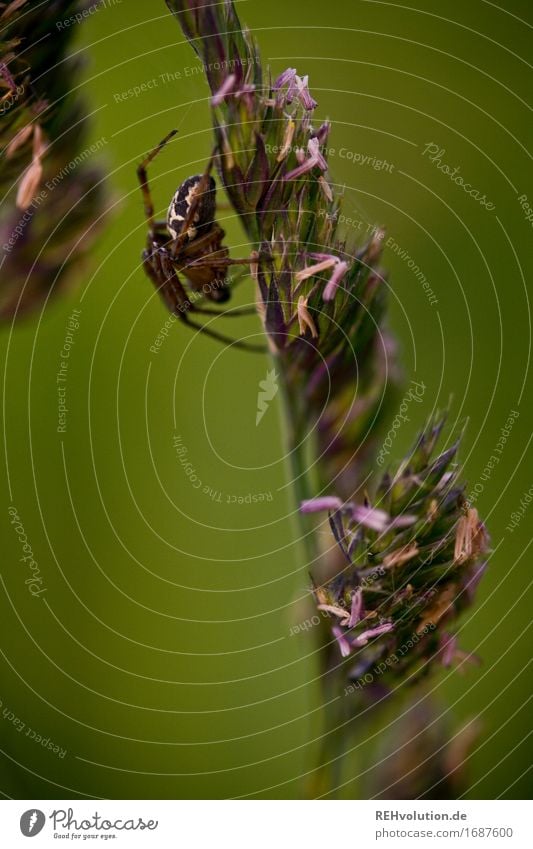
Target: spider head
<point>180,205</point>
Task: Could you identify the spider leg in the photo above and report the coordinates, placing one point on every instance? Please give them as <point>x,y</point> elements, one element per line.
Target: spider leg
<point>143,180</point>
<point>226,340</point>
<point>159,268</point>
<point>178,302</point>
<point>209,247</point>
<point>231,284</point>
<point>174,293</point>
<point>212,261</point>
<point>229,313</point>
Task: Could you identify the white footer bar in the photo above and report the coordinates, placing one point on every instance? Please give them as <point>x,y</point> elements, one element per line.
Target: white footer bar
<point>266,824</point>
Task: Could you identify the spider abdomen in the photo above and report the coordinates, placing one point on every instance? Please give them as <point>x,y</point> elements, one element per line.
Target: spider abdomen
<point>181,203</point>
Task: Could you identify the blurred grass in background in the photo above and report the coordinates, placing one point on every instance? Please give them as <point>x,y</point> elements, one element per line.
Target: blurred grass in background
<point>159,657</point>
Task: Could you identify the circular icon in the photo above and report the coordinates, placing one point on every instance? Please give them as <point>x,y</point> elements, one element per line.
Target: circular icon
<point>32,822</point>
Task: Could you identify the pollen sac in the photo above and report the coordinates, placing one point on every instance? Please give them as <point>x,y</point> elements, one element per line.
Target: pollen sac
<point>181,203</point>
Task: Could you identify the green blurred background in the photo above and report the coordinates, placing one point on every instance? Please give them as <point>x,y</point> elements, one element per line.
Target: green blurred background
<point>159,658</point>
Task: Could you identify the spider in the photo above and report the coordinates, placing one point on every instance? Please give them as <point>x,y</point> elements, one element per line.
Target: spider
<point>189,242</point>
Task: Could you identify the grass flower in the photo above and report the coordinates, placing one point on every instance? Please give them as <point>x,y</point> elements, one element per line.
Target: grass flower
<point>411,561</point>
<point>412,552</point>
<point>322,297</point>
<point>53,196</point>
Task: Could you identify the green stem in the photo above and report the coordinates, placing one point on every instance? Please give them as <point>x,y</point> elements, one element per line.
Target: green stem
<point>326,775</point>
<point>295,448</point>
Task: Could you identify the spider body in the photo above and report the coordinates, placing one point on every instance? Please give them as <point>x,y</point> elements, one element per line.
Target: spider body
<point>203,237</point>
<point>189,243</point>
<point>181,203</point>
